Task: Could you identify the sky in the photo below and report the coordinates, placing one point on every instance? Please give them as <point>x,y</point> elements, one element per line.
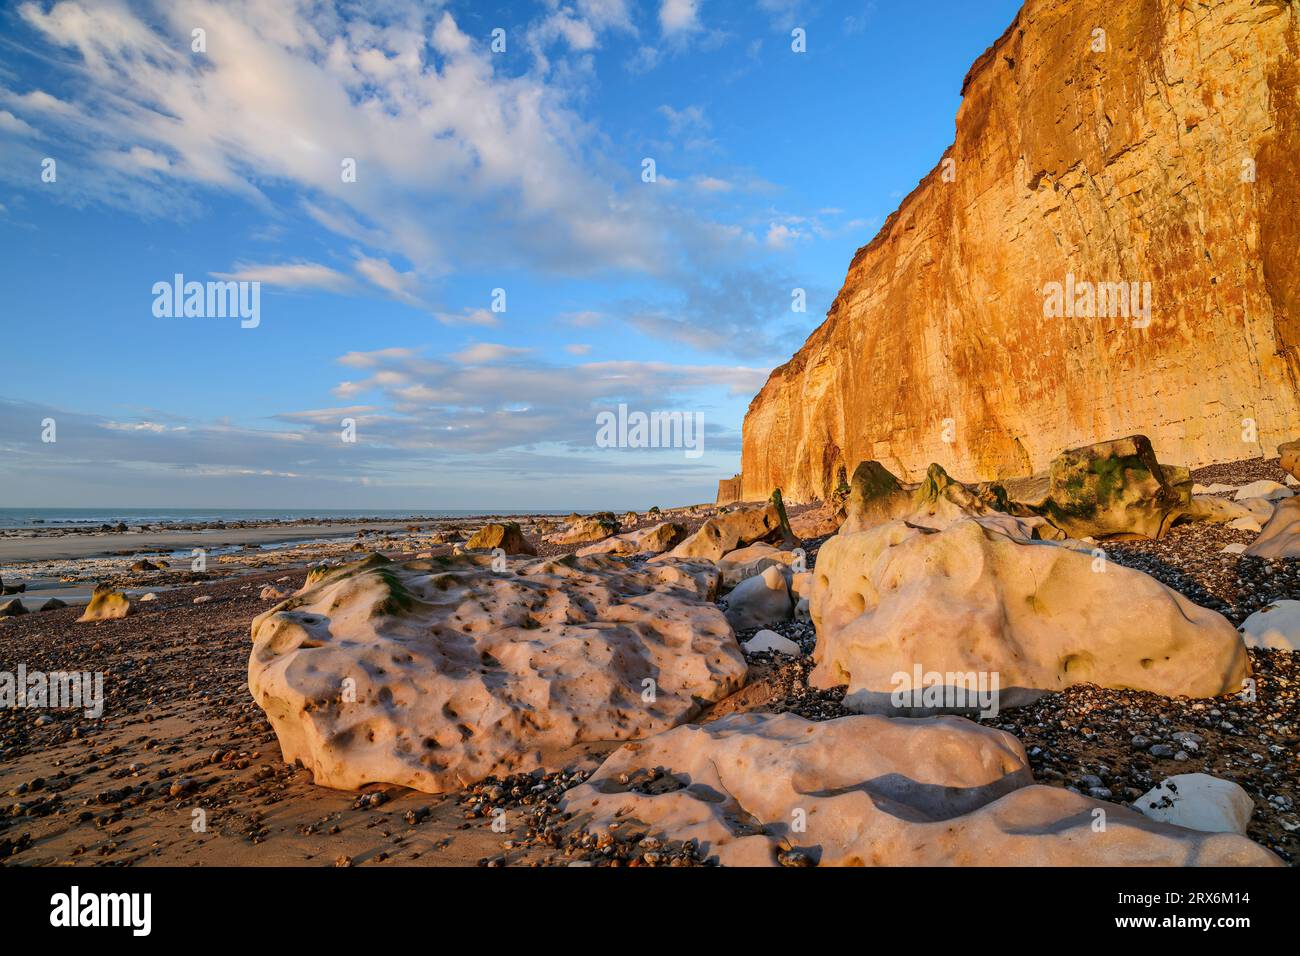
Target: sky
<point>476,226</point>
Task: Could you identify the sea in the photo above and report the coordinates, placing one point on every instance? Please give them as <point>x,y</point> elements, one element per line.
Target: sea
<point>94,517</point>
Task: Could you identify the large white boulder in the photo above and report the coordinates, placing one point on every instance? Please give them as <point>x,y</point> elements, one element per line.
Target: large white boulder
<point>872,791</point>
<point>1281,536</point>
<point>969,602</point>
<point>746,562</point>
<point>1276,627</point>
<point>1198,801</point>
<point>761,600</point>
<point>435,674</point>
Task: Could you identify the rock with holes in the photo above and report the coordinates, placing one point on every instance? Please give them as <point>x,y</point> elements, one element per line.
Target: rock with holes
<point>727,532</point>
<point>435,674</point>
<point>585,528</point>
<point>970,602</point>
<point>1199,802</point>
<point>653,540</point>
<point>871,791</point>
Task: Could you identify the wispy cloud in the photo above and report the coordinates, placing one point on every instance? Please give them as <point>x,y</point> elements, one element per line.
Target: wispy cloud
<point>486,352</point>
<point>292,275</point>
<point>285,97</point>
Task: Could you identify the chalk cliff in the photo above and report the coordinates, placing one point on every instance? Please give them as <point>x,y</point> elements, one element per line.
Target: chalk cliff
<point>1145,142</point>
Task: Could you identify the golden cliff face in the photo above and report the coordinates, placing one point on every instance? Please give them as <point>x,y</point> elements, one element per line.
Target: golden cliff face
<point>1162,154</point>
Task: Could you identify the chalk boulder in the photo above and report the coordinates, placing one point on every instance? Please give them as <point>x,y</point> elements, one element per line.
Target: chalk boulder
<point>505,535</point>
<point>876,497</point>
<point>972,601</point>
<point>727,532</point>
<point>744,563</point>
<point>586,528</point>
<point>1276,627</point>
<point>1289,455</point>
<point>435,674</point>
<point>773,642</point>
<point>761,600</point>
<point>1116,488</point>
<point>1198,801</point>
<point>1280,538</point>
<point>106,604</point>
<point>652,540</point>
<point>1268,490</point>
<point>751,789</point>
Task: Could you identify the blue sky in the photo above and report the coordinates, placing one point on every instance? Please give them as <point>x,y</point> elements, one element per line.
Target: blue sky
<point>475,170</point>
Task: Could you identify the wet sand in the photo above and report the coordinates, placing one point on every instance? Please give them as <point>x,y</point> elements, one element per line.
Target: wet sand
<point>47,546</point>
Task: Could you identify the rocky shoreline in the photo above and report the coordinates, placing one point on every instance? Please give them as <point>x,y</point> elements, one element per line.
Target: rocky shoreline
<point>181,743</point>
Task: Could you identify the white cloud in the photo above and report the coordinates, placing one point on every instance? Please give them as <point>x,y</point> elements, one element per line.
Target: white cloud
<point>607,14</point>
<point>686,120</point>
<point>477,405</point>
<point>712,184</point>
<point>377,357</point>
<point>293,275</point>
<point>12,124</point>
<point>486,352</point>
<point>468,317</point>
<point>781,236</point>
<point>577,348</point>
<point>448,38</point>
<point>442,144</point>
<point>577,33</point>
<point>401,286</point>
<point>679,16</point>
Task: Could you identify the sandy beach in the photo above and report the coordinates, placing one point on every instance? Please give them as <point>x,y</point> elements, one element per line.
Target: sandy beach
<point>28,546</point>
